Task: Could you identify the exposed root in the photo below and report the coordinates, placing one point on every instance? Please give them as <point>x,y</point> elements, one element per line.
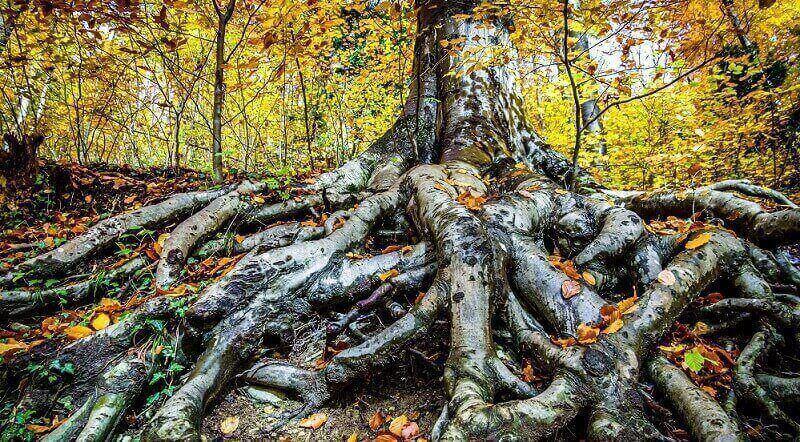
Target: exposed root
<point>66,257</point>
<point>17,303</point>
<point>183,238</point>
<point>747,387</point>
<point>745,187</point>
<point>705,416</point>
<point>746,217</point>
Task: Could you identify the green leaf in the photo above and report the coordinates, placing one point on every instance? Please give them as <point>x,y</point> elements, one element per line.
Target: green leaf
<point>693,360</point>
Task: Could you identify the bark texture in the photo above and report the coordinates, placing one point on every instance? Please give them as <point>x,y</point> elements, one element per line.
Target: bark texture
<point>482,199</point>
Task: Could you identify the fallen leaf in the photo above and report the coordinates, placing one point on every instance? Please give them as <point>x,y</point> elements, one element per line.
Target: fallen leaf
<point>587,334</point>
<point>570,288</point>
<point>376,420</point>
<point>77,332</point>
<point>390,249</point>
<point>229,425</point>
<point>396,427</point>
<point>353,437</point>
<point>314,421</point>
<point>388,275</point>
<point>589,278</point>
<point>698,241</point>
<point>564,343</point>
<point>666,277</point>
<point>129,199</point>
<point>700,328</point>
<point>471,200</point>
<point>628,305</point>
<point>88,198</point>
<point>100,321</point>
<point>613,327</point>
<point>385,437</point>
<point>11,345</point>
<point>409,431</point>
<point>672,348</point>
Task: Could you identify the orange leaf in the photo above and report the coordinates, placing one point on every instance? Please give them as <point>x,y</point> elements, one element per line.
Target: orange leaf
<point>587,334</point>
<point>376,420</point>
<point>613,327</point>
<point>77,332</point>
<point>314,421</point>
<point>564,343</point>
<point>698,241</point>
<point>628,305</point>
<point>589,278</point>
<point>388,275</point>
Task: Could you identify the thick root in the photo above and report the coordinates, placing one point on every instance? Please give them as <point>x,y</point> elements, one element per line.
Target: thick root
<point>705,416</point>
<point>69,255</point>
<point>17,303</point>
<point>183,238</point>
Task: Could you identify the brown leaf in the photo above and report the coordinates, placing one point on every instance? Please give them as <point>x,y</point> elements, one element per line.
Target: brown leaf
<point>587,334</point>
<point>314,421</point>
<point>376,420</point>
<point>570,288</point>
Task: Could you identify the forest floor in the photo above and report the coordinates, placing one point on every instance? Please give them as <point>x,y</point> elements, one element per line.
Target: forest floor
<point>67,198</point>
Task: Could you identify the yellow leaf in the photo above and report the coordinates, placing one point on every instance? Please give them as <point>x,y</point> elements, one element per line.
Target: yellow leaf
<point>353,437</point>
<point>672,348</point>
<point>589,278</point>
<point>613,327</point>
<point>11,345</point>
<point>396,427</point>
<point>666,277</point>
<point>314,421</point>
<point>698,241</point>
<point>628,305</point>
<point>388,275</point>
<point>100,321</point>
<point>229,425</point>
<point>77,332</point>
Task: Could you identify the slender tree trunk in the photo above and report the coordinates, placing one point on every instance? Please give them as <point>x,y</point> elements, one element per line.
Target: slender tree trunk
<point>223,17</point>
<point>305,115</point>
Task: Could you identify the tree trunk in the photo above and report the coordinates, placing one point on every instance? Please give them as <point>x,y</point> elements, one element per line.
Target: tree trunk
<point>223,17</point>
<point>484,200</point>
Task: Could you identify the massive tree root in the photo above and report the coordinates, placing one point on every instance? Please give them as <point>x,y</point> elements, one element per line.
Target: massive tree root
<point>574,280</point>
